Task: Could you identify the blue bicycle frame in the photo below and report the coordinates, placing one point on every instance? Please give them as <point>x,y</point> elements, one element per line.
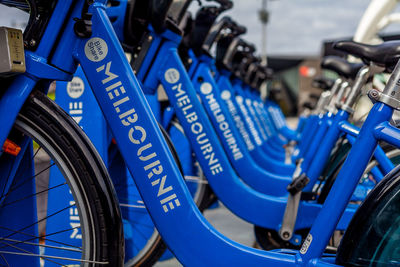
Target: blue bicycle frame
<point>150,84</point>
<point>245,202</point>
<point>316,153</point>
<point>192,239</point>
<point>265,182</point>
<point>261,180</point>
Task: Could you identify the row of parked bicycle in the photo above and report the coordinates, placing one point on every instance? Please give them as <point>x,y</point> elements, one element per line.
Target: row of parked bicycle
<point>157,115</point>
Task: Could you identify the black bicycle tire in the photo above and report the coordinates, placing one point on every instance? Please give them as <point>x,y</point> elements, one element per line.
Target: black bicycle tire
<point>330,180</point>
<point>363,228</point>
<point>67,138</point>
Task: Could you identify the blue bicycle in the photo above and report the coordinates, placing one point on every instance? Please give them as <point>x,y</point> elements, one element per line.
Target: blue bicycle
<point>80,32</point>
<point>45,154</point>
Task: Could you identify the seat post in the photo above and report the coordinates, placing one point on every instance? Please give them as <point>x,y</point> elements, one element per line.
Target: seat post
<point>322,102</point>
<point>334,100</point>
<point>335,88</point>
<point>361,79</point>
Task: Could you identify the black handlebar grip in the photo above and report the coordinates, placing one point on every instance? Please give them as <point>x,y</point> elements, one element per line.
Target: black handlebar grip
<point>224,4</point>
<point>240,29</point>
<point>251,47</point>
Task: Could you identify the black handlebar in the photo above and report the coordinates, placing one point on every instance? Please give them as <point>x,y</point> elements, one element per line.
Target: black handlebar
<point>246,46</point>
<point>216,29</point>
<point>205,18</point>
<point>242,58</point>
<point>224,4</point>
<point>232,51</point>
<point>239,29</point>
<point>235,28</point>
<point>141,13</point>
<point>178,10</point>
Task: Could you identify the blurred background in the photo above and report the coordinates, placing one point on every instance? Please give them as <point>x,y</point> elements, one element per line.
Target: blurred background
<point>292,34</point>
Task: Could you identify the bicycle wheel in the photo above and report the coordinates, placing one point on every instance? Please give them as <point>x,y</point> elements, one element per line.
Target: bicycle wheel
<point>391,152</point>
<point>57,204</point>
<point>373,234</point>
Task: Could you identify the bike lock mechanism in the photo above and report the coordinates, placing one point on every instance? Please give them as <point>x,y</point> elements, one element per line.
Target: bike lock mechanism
<point>295,188</point>
<point>11,51</point>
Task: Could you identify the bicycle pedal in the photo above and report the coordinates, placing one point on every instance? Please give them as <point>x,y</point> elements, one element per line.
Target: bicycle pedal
<point>12,55</point>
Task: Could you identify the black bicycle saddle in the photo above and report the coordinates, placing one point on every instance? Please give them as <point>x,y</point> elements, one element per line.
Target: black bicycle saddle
<point>341,66</point>
<point>386,54</point>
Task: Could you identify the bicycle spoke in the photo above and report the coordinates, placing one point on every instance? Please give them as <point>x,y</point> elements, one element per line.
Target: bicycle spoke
<point>132,206</point>
<point>1,255</point>
<point>12,189</point>
<point>42,220</point>
<point>27,253</point>
<point>135,226</point>
<point>5,184</point>
<point>196,179</point>
<point>59,232</point>
<point>32,195</point>
<point>53,257</point>
<point>16,242</point>
<point>37,151</point>
<point>45,236</point>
